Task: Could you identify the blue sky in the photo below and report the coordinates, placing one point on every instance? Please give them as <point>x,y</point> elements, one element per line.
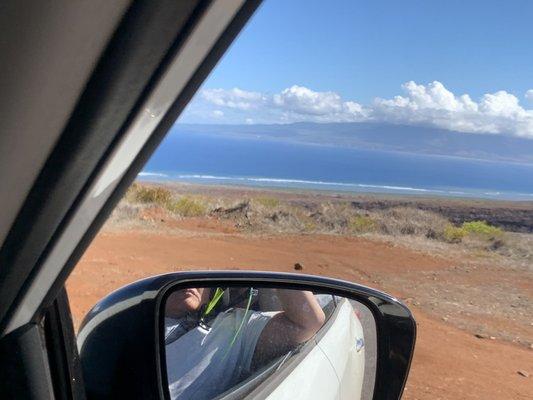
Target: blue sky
<point>348,61</point>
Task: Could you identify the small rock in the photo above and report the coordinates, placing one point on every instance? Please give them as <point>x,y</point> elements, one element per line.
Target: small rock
<point>492,338</point>
<point>523,373</point>
<point>298,267</point>
<point>481,336</point>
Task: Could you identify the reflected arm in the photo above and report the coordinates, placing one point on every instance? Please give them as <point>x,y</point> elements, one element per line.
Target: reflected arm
<point>301,317</point>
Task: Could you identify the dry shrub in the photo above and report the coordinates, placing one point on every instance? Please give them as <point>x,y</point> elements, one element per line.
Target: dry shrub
<point>518,246</point>
<point>342,218</point>
<point>310,225</point>
<point>188,207</point>
<point>333,217</point>
<point>270,214</point>
<point>185,206</point>
<point>305,222</point>
<point>285,218</point>
<point>267,202</point>
<point>124,211</point>
<point>284,221</point>
<point>149,194</point>
<point>410,221</point>
<point>453,234</point>
<point>362,224</point>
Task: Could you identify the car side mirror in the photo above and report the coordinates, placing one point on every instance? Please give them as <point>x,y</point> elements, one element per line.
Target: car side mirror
<point>255,335</point>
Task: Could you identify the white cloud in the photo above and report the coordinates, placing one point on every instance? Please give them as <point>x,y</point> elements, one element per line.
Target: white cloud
<point>293,104</point>
<point>428,105</point>
<point>233,98</point>
<point>301,103</point>
<point>302,100</point>
<point>434,105</point>
<point>432,97</point>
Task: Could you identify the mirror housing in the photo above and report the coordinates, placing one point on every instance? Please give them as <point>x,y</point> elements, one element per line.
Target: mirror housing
<point>119,339</point>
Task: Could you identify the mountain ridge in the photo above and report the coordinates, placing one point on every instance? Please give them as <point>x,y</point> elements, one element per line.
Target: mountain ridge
<point>380,136</point>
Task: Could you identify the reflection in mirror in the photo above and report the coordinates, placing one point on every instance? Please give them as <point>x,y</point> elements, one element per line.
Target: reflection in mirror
<point>242,342</point>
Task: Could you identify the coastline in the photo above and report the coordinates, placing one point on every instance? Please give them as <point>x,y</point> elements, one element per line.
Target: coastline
<point>282,184</point>
<point>512,215</point>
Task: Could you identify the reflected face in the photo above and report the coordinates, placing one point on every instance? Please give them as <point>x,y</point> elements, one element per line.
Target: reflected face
<point>187,300</point>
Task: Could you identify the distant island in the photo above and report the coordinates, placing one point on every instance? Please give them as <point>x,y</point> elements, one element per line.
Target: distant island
<point>380,136</point>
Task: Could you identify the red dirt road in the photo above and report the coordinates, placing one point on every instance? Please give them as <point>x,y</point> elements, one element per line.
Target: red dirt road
<point>449,363</point>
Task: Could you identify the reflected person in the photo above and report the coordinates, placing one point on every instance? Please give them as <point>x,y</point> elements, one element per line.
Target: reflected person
<point>208,352</point>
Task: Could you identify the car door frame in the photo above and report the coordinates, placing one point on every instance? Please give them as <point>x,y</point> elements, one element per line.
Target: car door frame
<point>146,42</point>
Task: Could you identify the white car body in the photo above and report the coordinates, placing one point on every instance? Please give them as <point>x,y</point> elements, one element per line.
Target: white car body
<point>334,368</point>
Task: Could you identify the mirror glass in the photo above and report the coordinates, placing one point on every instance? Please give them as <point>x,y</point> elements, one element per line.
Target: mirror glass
<point>243,342</point>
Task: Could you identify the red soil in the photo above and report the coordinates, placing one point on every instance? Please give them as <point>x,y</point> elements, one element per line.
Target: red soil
<point>449,363</point>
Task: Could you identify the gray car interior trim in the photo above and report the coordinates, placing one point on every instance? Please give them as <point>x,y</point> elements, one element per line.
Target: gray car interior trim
<point>173,81</point>
<point>40,86</point>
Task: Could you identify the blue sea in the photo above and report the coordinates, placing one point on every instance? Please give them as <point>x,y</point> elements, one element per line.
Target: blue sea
<point>221,160</point>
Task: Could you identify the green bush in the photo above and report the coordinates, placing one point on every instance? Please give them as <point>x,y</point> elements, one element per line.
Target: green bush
<point>481,228</point>
<point>453,234</point>
<point>362,224</point>
<point>268,202</point>
<point>188,207</point>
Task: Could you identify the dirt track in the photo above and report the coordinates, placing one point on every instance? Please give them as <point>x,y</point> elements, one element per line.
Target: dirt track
<point>449,363</point>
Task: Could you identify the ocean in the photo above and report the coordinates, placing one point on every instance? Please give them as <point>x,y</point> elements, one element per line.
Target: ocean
<point>222,160</point>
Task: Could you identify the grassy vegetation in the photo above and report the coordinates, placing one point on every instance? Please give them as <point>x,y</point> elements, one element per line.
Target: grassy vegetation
<point>147,203</point>
<point>149,194</point>
<point>272,215</point>
<point>184,206</point>
<point>453,234</point>
<point>310,226</point>
<point>268,202</point>
<point>480,230</point>
<point>362,224</point>
<point>410,221</point>
<point>188,207</point>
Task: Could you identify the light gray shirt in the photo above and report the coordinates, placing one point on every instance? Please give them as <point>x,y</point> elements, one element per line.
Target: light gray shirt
<point>202,363</point>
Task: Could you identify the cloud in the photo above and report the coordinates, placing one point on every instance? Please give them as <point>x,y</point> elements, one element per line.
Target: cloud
<point>301,103</point>
<point>427,105</point>
<point>233,98</point>
<point>294,104</point>
<point>434,105</point>
<point>431,97</point>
